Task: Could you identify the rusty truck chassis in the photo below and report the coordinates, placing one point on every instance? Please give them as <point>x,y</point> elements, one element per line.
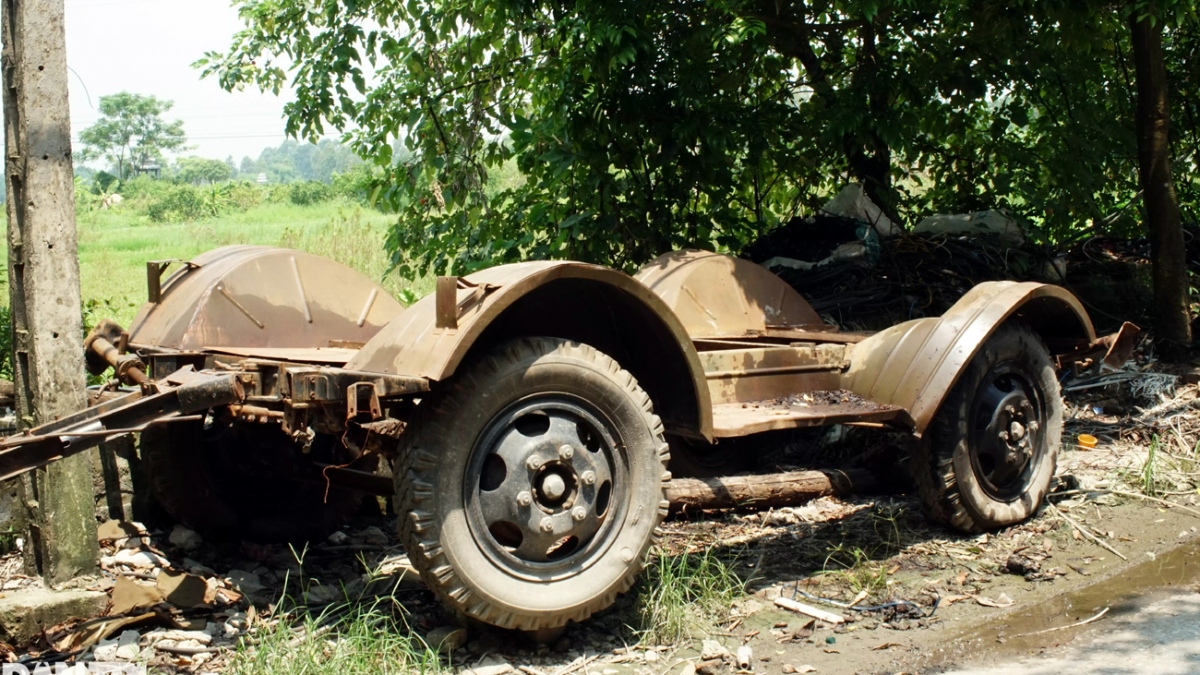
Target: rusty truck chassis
<point>302,347</point>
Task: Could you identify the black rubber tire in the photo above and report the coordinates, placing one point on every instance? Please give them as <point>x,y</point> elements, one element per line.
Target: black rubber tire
<point>948,462</point>
<point>231,482</point>
<point>435,485</point>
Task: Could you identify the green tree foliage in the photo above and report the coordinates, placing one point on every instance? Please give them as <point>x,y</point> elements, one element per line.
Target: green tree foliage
<point>293,161</point>
<point>201,171</point>
<point>641,127</point>
<point>131,132</point>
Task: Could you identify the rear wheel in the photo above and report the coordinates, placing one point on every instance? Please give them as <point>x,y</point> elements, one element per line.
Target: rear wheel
<point>989,454</point>
<point>236,481</point>
<point>532,486</point>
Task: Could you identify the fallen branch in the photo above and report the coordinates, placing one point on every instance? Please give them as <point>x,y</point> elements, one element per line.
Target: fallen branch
<point>1156,500</point>
<point>1074,625</point>
<point>1082,530</point>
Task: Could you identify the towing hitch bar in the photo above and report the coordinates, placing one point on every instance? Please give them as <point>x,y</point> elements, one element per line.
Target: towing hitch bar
<point>182,395</point>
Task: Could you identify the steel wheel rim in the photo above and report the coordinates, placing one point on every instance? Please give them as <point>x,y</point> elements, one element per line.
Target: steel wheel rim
<point>1006,431</point>
<point>534,508</point>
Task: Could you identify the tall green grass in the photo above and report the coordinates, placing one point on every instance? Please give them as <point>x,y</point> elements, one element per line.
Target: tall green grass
<point>369,639</point>
<point>114,246</point>
<point>685,594</point>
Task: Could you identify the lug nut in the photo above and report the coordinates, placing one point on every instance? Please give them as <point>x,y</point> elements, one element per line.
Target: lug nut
<point>534,462</point>
<point>578,513</point>
<point>588,477</point>
<point>566,452</point>
<point>547,524</point>
<point>524,498</point>
<point>554,487</point>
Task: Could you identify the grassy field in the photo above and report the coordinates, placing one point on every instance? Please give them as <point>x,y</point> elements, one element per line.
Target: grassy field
<point>115,245</point>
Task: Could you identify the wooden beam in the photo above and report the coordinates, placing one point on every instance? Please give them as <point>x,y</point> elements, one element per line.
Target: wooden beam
<point>768,490</point>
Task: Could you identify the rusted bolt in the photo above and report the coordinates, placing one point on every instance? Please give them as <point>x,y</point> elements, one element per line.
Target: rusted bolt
<point>578,513</point>
<point>588,477</point>
<point>547,524</point>
<point>534,462</point>
<point>524,498</point>
<point>566,452</point>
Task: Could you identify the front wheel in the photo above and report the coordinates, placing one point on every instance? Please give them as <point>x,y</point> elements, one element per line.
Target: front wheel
<point>989,454</point>
<point>532,486</point>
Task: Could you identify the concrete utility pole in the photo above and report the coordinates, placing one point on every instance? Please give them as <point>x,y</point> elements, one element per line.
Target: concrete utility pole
<point>43,279</point>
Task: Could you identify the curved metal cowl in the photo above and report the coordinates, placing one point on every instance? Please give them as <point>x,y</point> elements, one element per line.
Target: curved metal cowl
<point>261,296</point>
<point>716,295</point>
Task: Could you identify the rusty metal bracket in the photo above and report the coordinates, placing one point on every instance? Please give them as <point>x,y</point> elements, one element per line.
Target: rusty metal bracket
<point>448,307</point>
<point>1121,345</point>
<point>154,272</point>
<point>447,302</point>
<point>360,396</point>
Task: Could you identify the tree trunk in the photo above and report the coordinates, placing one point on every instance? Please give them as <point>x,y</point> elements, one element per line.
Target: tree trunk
<point>767,491</point>
<point>1171,312</point>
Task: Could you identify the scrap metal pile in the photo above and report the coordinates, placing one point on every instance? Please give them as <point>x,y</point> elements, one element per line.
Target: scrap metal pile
<point>863,281</point>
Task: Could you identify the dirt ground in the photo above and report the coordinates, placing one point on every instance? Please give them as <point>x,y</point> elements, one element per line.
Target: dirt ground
<point>939,598</point>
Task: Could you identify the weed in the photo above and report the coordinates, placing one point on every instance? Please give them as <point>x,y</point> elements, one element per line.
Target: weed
<point>353,639</point>
<point>856,568</point>
<point>684,593</point>
<point>366,636</point>
<point>8,539</point>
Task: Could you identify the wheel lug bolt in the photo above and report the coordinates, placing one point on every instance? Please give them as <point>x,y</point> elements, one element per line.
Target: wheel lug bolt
<point>588,477</point>
<point>547,524</point>
<point>534,462</point>
<point>578,513</point>
<point>524,498</point>
<point>566,452</point>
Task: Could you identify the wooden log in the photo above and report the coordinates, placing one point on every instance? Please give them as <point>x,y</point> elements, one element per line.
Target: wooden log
<point>767,490</point>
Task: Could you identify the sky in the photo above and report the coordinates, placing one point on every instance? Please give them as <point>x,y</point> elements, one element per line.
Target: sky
<point>147,47</point>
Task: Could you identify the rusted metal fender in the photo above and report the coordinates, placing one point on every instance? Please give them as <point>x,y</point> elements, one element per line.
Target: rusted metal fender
<point>261,296</point>
<point>915,364</point>
<point>719,296</point>
<point>603,307</point>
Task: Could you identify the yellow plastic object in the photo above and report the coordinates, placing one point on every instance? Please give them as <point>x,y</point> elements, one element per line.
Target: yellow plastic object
<point>1087,441</point>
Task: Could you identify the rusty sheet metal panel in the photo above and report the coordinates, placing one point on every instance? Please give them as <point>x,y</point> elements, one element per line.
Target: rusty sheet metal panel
<point>914,364</point>
<point>733,420</point>
<point>756,374</point>
<point>718,296</point>
<point>413,345</point>
<point>260,296</point>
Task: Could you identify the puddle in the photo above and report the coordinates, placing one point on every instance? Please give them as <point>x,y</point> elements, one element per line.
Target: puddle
<point>1120,592</point>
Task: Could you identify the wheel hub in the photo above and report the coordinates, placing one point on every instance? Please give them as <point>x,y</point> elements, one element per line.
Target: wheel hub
<point>545,484</point>
<point>1005,438</point>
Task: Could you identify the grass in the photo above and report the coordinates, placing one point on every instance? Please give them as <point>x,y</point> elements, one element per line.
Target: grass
<point>114,246</point>
<point>856,568</point>
<point>684,594</point>
<point>367,639</point>
<point>1149,473</point>
<point>365,635</point>
<point>865,569</point>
